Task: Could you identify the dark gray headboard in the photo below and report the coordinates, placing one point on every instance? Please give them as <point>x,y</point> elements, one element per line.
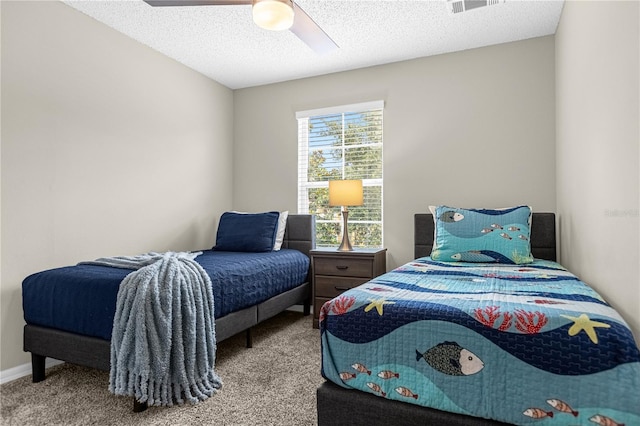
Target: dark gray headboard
<point>543,235</point>
<point>300,233</point>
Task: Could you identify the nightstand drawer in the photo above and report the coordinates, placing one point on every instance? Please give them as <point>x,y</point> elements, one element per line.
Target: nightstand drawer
<point>335,272</point>
<point>344,267</point>
<point>332,287</point>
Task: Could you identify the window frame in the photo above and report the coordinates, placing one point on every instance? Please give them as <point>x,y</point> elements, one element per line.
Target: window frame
<point>304,184</point>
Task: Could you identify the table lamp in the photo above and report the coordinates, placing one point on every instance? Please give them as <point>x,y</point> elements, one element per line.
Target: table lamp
<point>345,193</point>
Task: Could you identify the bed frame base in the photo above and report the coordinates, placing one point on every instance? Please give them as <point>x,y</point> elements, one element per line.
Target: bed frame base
<point>96,353</point>
<point>38,362</point>
<point>338,406</point>
<point>38,366</point>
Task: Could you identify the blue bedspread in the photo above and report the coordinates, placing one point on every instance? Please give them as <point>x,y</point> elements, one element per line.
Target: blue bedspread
<point>82,298</point>
<point>519,344</point>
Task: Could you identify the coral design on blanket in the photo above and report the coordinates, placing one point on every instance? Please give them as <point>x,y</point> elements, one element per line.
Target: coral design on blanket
<point>530,322</point>
<point>339,306</point>
<point>342,304</point>
<point>492,314</point>
<point>526,321</point>
<point>584,323</point>
<point>324,311</point>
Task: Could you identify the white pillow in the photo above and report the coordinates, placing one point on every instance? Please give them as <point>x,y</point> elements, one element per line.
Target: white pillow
<point>282,224</point>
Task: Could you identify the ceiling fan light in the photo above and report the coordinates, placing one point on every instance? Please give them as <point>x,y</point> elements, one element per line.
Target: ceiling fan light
<point>275,15</point>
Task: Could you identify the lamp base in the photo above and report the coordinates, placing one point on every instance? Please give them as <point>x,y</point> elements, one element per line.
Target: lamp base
<point>346,244</point>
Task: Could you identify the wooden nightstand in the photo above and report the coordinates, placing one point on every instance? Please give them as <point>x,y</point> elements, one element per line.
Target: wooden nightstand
<point>337,271</point>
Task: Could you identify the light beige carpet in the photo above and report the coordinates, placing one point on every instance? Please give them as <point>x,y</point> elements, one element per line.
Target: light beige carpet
<point>272,383</point>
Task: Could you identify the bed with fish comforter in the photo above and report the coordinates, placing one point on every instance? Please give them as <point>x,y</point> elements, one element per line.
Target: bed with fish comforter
<point>522,344</point>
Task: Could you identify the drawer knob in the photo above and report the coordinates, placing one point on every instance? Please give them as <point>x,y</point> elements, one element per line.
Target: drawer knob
<point>342,288</point>
<point>342,267</point>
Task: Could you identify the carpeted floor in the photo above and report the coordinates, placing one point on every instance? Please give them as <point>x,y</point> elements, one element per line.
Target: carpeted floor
<point>272,383</point>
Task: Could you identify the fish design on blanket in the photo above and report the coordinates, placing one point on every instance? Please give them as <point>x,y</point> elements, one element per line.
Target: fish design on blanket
<point>388,374</point>
<point>361,368</point>
<point>451,358</point>
<point>406,392</point>
<point>481,256</point>
<point>537,413</point>
<point>347,376</point>
<point>376,388</point>
<point>562,406</point>
<point>601,420</point>
<point>451,216</point>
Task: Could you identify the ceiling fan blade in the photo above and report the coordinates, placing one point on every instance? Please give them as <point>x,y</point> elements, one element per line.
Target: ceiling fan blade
<point>162,3</point>
<point>303,25</point>
<point>309,32</point>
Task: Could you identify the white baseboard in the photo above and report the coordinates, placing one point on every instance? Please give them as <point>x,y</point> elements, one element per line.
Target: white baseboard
<point>23,370</point>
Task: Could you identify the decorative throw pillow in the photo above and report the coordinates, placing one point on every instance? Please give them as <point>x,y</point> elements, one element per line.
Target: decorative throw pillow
<point>482,235</point>
<point>247,232</point>
<point>282,226</point>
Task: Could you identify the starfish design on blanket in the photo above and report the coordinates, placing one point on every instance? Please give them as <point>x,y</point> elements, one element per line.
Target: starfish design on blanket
<point>584,323</point>
<point>377,304</point>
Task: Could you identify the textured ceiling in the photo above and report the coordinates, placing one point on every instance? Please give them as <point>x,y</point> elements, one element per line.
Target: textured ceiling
<point>223,43</point>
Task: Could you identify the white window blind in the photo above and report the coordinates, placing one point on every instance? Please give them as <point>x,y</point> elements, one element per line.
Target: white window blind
<point>343,142</point>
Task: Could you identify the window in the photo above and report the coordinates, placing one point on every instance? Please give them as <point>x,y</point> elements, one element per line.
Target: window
<point>342,143</point>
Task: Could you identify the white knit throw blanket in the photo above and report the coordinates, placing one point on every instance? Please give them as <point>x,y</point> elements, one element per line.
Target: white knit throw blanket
<point>163,341</point>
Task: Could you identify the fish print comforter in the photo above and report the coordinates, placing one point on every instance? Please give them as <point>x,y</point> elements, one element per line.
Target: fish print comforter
<point>520,344</point>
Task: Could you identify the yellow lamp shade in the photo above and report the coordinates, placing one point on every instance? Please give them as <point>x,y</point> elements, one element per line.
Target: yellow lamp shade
<point>345,193</point>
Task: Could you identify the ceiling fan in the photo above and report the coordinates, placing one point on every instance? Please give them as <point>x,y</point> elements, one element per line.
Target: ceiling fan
<point>274,15</point>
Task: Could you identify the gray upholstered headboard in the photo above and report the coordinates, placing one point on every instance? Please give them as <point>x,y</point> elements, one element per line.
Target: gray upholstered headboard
<point>300,233</point>
<point>543,235</point>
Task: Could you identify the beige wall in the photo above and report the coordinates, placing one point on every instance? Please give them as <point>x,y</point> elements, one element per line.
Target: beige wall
<point>598,138</point>
<point>107,148</point>
<point>474,128</point>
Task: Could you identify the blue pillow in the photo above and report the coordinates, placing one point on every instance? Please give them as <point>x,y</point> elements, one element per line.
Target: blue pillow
<point>248,232</point>
<point>481,235</point>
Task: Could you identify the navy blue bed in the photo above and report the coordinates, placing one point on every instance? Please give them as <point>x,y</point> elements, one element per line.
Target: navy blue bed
<point>69,311</point>
<point>82,298</point>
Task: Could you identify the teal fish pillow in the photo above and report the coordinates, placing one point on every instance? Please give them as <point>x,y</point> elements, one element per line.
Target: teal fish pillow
<point>482,235</point>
